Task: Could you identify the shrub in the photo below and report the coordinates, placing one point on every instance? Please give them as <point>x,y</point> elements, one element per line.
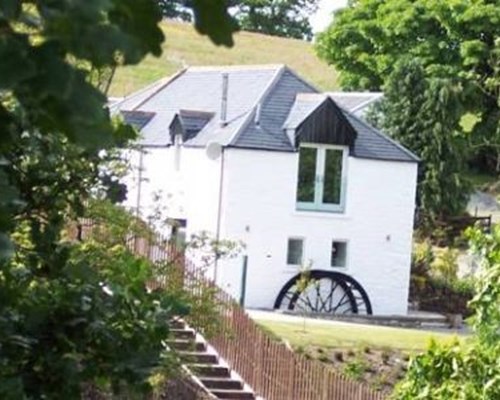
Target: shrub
<point>470,370</point>
<point>445,264</point>
<point>434,284</point>
<point>355,368</point>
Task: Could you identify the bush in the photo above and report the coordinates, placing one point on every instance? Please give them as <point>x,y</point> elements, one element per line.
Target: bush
<point>470,370</point>
<point>434,285</point>
<point>445,264</point>
<point>439,295</point>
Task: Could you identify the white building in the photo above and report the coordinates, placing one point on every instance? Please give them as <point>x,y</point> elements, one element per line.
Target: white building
<point>257,154</point>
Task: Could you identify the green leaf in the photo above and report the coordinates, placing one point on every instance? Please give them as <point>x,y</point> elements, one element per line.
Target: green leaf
<point>16,64</point>
<point>10,9</point>
<point>6,247</point>
<point>212,19</point>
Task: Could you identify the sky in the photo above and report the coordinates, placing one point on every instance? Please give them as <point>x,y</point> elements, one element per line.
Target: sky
<point>323,17</point>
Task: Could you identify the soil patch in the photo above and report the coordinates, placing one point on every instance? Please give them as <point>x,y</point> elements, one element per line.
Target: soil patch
<point>381,368</point>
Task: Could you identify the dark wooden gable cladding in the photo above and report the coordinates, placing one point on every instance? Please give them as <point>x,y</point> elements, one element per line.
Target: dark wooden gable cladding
<point>326,125</point>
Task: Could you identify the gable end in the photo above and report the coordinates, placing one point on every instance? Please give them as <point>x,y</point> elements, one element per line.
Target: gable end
<point>326,125</point>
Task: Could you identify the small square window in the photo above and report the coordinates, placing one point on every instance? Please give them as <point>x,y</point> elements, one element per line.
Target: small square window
<point>338,254</point>
<point>295,251</point>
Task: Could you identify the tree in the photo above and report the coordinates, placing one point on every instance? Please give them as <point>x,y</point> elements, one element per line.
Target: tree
<point>176,9</point>
<point>49,51</point>
<point>467,370</point>
<point>366,40</point>
<point>424,115</point>
<point>73,313</point>
<point>287,18</point>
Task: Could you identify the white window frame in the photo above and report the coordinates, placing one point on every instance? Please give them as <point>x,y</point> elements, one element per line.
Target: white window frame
<point>317,204</point>
<point>303,240</point>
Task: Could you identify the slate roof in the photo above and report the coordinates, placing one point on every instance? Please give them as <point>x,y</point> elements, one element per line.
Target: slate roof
<point>355,101</point>
<point>262,102</point>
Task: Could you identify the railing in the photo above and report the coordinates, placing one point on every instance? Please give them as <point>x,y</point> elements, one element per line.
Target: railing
<point>273,370</point>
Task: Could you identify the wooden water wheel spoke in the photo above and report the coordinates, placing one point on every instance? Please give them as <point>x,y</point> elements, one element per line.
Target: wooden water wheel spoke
<point>326,292</point>
<point>330,296</point>
<point>342,302</point>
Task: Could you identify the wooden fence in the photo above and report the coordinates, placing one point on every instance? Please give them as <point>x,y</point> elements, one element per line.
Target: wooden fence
<point>273,370</point>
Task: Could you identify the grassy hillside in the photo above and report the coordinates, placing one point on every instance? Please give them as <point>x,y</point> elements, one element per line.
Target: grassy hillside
<point>184,47</point>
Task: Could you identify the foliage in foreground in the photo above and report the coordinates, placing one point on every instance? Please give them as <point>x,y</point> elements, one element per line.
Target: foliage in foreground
<point>470,370</point>
<point>74,313</point>
<point>88,318</point>
<point>49,51</point>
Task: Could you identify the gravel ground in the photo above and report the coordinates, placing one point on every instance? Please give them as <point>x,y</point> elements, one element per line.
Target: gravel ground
<point>484,204</point>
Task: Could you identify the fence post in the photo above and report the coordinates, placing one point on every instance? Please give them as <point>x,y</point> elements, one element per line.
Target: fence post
<point>325,381</point>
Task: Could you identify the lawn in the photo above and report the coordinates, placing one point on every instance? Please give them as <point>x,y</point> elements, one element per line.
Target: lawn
<point>343,335</point>
<point>185,47</point>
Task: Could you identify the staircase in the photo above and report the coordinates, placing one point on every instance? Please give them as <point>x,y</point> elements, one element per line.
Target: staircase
<point>209,369</point>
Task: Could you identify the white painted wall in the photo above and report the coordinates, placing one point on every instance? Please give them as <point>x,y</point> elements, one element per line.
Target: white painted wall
<point>190,191</point>
<point>259,208</point>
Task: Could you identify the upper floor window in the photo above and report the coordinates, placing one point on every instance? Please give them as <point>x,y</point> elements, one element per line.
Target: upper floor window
<point>321,180</point>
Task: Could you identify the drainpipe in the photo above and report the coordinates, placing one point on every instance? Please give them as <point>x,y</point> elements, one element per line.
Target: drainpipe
<point>139,185</point>
<point>219,212</point>
<point>223,123</point>
<point>243,288</point>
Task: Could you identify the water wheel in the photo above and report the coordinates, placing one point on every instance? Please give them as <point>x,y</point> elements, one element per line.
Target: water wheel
<point>327,292</point>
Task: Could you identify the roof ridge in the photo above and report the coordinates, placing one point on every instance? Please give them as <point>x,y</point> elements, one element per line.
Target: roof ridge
<point>383,135</point>
<point>167,82</point>
<point>234,67</point>
<point>354,93</point>
<point>260,100</point>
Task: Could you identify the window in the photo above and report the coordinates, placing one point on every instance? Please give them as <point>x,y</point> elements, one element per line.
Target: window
<point>320,184</point>
<point>295,251</point>
<point>178,232</point>
<point>338,254</point>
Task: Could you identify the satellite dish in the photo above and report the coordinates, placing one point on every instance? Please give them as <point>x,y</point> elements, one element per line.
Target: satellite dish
<point>213,150</point>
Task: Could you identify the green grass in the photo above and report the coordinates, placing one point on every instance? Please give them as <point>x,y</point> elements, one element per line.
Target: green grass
<point>346,336</point>
<point>185,47</point>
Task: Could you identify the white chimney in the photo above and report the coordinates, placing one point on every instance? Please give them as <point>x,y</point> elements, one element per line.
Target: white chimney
<point>223,108</point>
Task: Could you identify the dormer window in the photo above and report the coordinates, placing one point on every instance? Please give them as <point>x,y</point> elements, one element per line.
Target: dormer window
<point>321,177</point>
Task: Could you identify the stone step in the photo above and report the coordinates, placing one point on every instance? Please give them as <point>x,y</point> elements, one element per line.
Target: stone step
<point>187,345</point>
<point>177,324</point>
<point>233,394</point>
<point>210,371</point>
<point>221,383</point>
<point>198,358</point>
<point>188,334</point>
